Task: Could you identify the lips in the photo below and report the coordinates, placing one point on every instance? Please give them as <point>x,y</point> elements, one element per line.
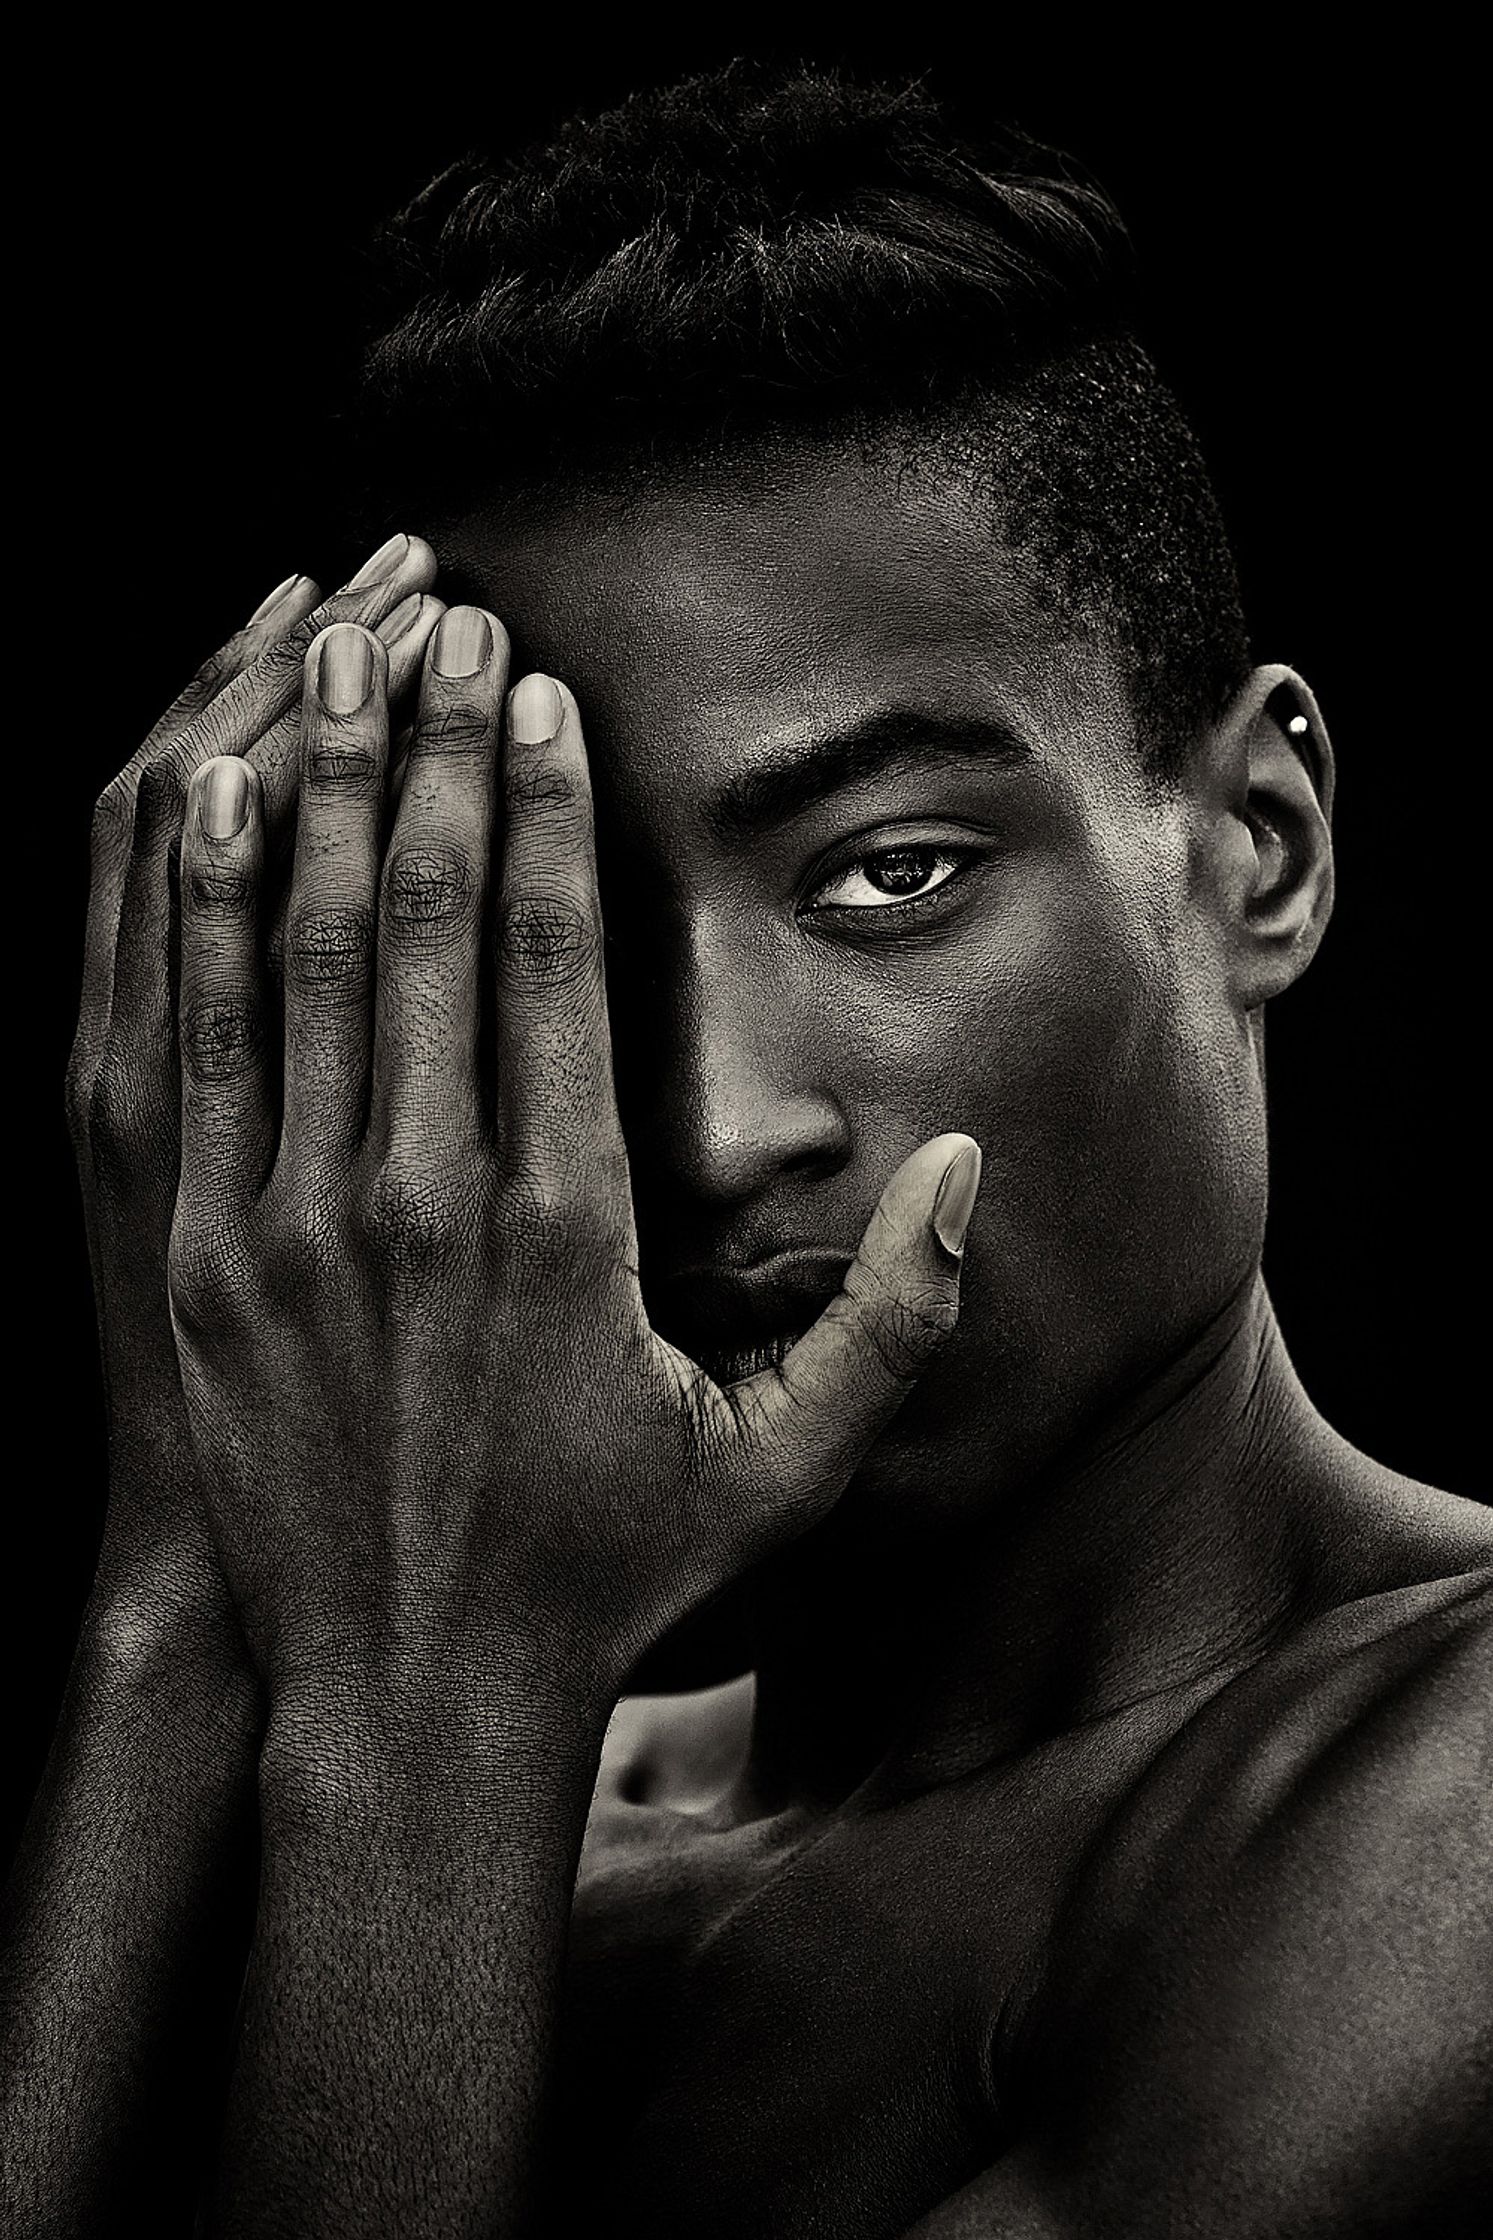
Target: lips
<point>736,1321</point>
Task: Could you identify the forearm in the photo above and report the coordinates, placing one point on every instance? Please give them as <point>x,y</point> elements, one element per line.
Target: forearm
<point>129,1909</point>
<point>400,2017</point>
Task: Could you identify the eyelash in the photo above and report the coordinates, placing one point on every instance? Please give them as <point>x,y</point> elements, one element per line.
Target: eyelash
<point>961,858</point>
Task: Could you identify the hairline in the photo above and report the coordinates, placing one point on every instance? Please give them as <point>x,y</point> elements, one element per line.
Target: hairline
<point>951,434</point>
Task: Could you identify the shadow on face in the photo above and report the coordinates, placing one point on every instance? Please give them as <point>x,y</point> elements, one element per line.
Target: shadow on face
<point>879,860</point>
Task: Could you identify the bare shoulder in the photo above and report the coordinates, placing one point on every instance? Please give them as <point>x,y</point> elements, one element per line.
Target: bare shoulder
<point>1347,1774</point>
<point>1375,1714</point>
<point>1359,1765</point>
<point>1380,1702</point>
<point>1270,1986</point>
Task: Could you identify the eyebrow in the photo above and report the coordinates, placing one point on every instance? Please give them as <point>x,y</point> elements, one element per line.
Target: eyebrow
<point>773,792</point>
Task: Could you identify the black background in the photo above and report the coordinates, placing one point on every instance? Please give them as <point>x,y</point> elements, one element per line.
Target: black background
<point>1307,221</point>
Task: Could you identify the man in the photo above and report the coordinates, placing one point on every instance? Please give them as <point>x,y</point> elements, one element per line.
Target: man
<point>766,1095</point>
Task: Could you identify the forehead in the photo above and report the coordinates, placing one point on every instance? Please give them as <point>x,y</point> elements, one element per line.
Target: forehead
<point>781,599</point>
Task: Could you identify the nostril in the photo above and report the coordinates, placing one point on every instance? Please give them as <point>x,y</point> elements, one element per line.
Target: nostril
<point>728,1140</point>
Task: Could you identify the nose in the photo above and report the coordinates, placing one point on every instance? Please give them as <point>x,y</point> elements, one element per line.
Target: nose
<point>726,1088</point>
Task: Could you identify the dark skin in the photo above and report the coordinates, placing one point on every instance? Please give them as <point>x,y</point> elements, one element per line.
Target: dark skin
<point>1054,1617</point>
<point>131,1903</point>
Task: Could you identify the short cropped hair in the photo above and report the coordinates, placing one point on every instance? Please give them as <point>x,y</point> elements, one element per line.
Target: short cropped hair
<point>762,256</point>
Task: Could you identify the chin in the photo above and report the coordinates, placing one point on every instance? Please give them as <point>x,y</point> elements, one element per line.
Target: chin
<point>940,1463</point>
<point>982,1429</point>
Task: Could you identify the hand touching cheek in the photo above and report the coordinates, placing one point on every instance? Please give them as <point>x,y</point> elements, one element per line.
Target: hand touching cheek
<point>432,1419</point>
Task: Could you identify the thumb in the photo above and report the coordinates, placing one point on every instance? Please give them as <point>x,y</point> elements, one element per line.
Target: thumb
<point>813,1417</point>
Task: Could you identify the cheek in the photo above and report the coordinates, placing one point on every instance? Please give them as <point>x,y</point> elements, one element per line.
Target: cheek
<point>1115,1098</point>
<point>1046,1030</point>
<point>1116,1088</point>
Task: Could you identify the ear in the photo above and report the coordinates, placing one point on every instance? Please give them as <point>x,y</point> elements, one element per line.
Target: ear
<point>1264,846</point>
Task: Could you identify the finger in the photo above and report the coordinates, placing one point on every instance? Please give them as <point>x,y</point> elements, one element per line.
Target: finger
<point>811,1419</point>
<point>433,891</point>
<point>236,721</point>
<point>405,636</point>
<point>114,817</point>
<point>330,930</point>
<point>225,1114</point>
<point>556,1106</point>
<point>272,619</point>
<point>275,615</point>
<point>260,709</point>
<point>406,632</point>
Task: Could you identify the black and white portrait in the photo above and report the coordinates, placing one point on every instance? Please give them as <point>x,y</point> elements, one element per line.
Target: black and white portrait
<point>752,1387</point>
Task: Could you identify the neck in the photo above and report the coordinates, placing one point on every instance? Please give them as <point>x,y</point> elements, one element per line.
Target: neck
<point>1204,1516</point>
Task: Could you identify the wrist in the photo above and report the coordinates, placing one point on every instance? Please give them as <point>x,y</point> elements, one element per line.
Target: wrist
<point>418,1743</point>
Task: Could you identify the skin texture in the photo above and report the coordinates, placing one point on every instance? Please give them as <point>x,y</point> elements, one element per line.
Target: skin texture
<point>466,1281</point>
<point>1075,969</point>
<point>131,1904</point>
<point>1100,1639</point>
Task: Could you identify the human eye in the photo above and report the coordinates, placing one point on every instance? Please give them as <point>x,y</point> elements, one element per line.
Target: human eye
<point>892,879</point>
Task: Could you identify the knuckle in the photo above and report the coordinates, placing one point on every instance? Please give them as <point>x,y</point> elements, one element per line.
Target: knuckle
<point>218,669</point>
<point>219,890</point>
<point>276,750</point>
<point>327,948</point>
<point>204,1275</point>
<point>313,1235</point>
<point>903,1323</point>
<point>284,659</point>
<point>546,940</point>
<point>116,1118</point>
<point>333,760</point>
<point>539,786</point>
<point>460,728</point>
<point>104,1117</point>
<point>428,892</point>
<point>221,1038</point>
<point>927,1316</point>
<point>536,1205</point>
<point>904,1330</point>
<point>407,1219</point>
<point>160,781</point>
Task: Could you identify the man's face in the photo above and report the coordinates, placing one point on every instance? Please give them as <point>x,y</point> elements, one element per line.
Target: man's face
<point>878,861</point>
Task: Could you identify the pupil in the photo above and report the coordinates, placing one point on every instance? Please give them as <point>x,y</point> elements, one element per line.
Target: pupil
<point>903,869</point>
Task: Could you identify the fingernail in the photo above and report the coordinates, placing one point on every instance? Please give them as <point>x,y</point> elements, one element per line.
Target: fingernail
<point>381,566</point>
<point>462,642</point>
<point>955,1201</point>
<point>535,710</point>
<point>408,612</point>
<point>344,670</point>
<point>224,801</point>
<point>277,597</point>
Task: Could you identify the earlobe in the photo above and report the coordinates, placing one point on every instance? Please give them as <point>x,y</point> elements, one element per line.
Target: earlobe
<point>1275,759</point>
